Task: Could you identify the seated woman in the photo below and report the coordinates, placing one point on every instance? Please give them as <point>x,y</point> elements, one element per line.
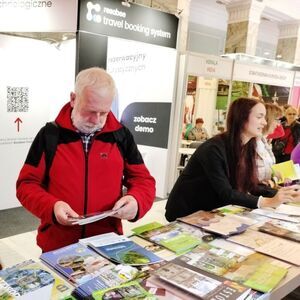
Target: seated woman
<point>223,169</point>
<point>265,157</point>
<point>198,133</point>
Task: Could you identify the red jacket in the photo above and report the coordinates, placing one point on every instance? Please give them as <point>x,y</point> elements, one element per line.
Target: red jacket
<point>87,182</point>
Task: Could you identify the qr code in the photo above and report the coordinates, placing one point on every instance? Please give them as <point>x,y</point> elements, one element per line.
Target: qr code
<point>17,99</point>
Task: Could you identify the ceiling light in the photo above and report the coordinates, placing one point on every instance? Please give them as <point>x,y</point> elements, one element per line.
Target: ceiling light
<point>278,56</point>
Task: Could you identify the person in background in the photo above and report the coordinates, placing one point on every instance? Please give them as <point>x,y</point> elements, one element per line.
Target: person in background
<point>198,133</point>
<point>265,157</point>
<point>223,169</point>
<point>88,170</point>
<point>291,136</point>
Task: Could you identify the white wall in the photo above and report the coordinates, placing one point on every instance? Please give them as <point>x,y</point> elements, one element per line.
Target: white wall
<point>48,73</point>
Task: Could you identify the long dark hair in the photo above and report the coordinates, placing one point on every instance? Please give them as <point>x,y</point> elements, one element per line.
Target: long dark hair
<point>241,158</point>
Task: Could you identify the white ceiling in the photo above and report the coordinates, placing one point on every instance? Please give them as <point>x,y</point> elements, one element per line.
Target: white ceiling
<point>214,11</point>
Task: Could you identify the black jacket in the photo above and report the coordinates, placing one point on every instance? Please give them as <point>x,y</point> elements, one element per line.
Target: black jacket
<point>204,184</point>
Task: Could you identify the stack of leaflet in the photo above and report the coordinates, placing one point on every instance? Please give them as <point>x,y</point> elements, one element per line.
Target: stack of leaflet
<point>77,263</point>
<point>118,275</point>
<point>256,271</point>
<point>121,249</point>
<point>197,283</point>
<point>31,280</point>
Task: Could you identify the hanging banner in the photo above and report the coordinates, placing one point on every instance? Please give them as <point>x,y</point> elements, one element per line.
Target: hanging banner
<point>209,66</point>
<point>262,74</point>
<point>110,17</point>
<point>38,16</point>
<point>136,45</point>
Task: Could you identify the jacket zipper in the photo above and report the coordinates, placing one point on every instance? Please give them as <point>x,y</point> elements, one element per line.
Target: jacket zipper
<point>86,154</point>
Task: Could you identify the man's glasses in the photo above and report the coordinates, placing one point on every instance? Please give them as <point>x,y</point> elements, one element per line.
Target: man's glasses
<point>291,114</point>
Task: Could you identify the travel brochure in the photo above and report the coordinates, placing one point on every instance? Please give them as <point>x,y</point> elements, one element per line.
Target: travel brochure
<point>256,271</point>
<point>183,257</point>
<point>32,280</point>
<point>77,263</point>
<point>198,283</point>
<point>115,277</point>
<point>271,213</point>
<point>225,225</point>
<point>212,259</point>
<point>132,290</point>
<point>259,272</point>
<point>170,236</point>
<point>285,230</point>
<point>93,217</point>
<point>126,252</point>
<point>279,248</point>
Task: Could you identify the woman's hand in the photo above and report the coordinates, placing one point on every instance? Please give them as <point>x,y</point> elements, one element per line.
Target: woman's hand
<point>284,195</point>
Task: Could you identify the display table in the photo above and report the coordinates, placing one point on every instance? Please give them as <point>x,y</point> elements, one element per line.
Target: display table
<point>21,247</point>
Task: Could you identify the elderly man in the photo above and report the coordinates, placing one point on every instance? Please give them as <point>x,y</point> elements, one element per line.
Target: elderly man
<point>95,156</point>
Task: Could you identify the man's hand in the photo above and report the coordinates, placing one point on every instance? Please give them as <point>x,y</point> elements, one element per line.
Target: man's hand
<point>63,212</point>
<point>127,208</point>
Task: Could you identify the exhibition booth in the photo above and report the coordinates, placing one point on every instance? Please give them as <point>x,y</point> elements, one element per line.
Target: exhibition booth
<point>159,92</point>
<point>138,51</point>
<point>208,84</point>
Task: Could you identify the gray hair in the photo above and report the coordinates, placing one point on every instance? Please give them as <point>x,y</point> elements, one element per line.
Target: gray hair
<point>96,78</point>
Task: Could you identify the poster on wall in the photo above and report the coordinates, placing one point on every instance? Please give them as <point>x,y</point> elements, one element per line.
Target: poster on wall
<point>144,76</point>
<point>136,45</point>
<point>34,84</point>
<point>271,93</point>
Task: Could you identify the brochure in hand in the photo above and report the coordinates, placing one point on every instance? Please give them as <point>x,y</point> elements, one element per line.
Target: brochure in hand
<point>76,263</point>
<point>125,252</point>
<point>93,217</point>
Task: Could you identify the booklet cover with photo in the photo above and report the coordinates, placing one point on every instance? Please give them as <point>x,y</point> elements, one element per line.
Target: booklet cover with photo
<point>76,263</point>
<point>286,230</point>
<point>212,259</point>
<point>225,225</point>
<point>114,277</point>
<point>258,271</point>
<point>32,280</point>
<point>170,236</point>
<point>199,283</point>
<point>130,290</point>
<point>126,252</point>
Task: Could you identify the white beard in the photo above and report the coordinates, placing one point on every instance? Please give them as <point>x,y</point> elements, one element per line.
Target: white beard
<point>82,125</point>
